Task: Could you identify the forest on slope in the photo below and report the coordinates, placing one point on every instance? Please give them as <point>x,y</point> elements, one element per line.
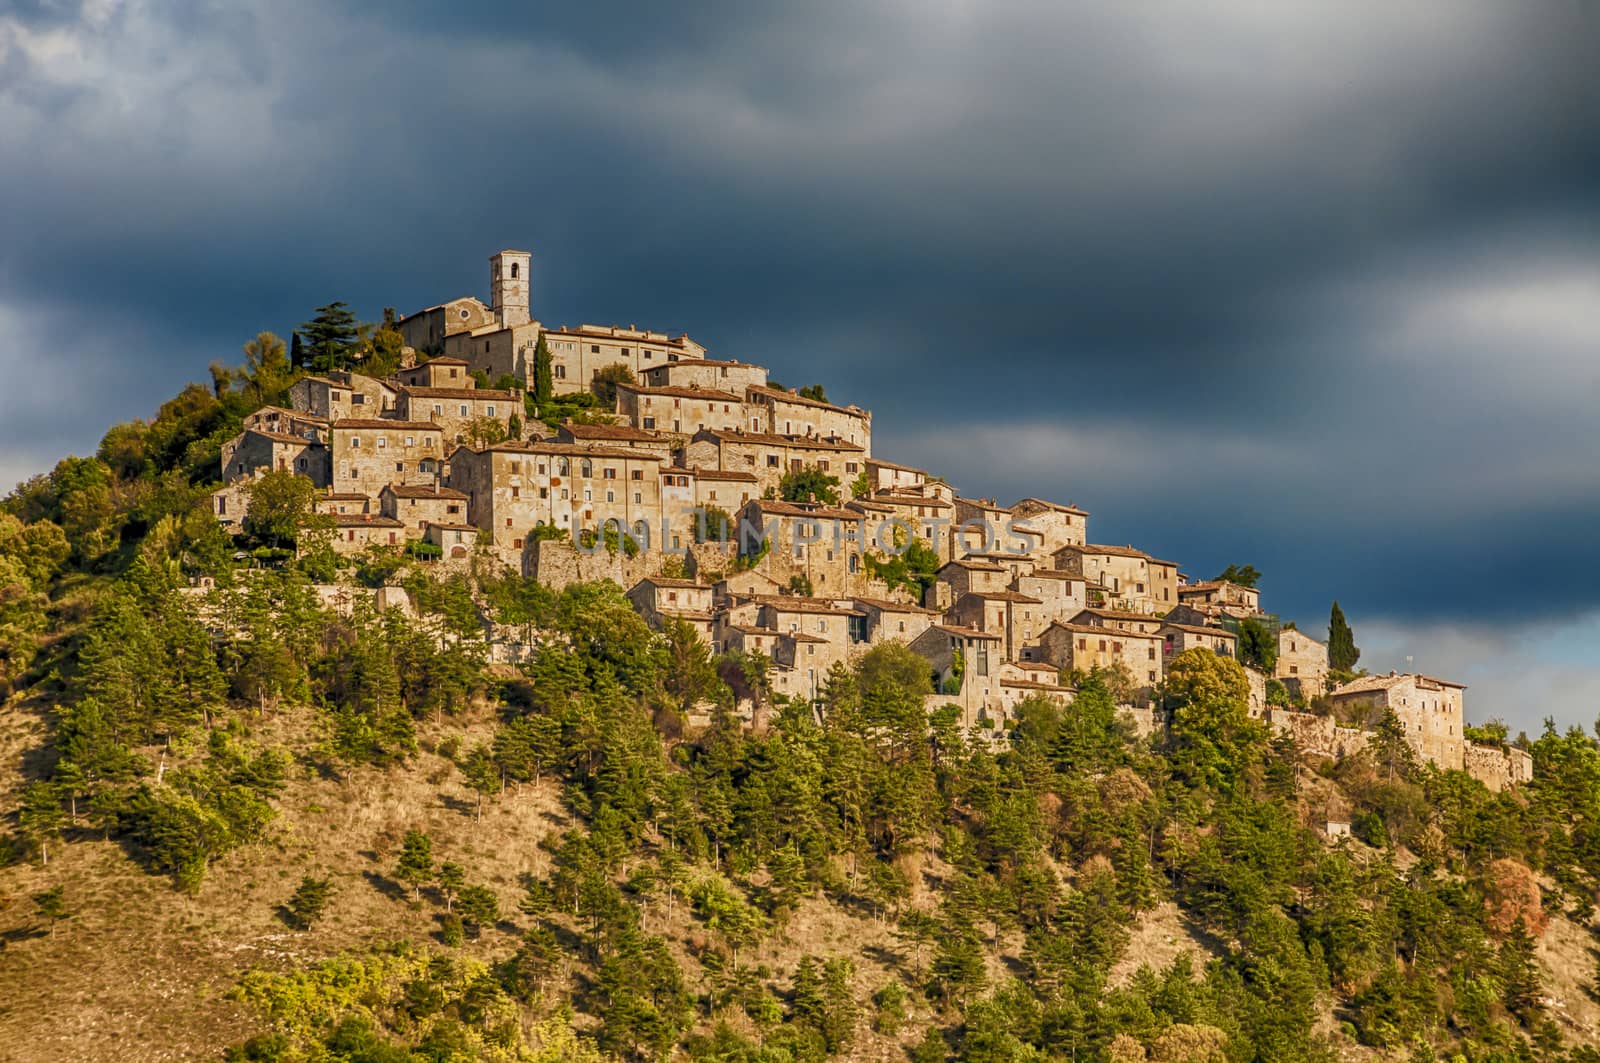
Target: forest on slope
<point>244,825</point>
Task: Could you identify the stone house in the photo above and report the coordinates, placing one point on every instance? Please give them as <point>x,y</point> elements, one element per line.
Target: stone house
<point>704,373</point>
<point>455,409</point>
<point>1229,597</point>
<point>578,354</point>
<point>1429,709</point>
<point>1180,637</point>
<point>513,487</point>
<point>426,330</point>
<point>768,457</point>
<point>353,533</point>
<point>231,501</point>
<point>334,503</point>
<point>1131,579</point>
<point>510,294</point>
<point>437,373</point>
<point>659,599</point>
<point>258,450</point>
<point>978,652</point>
<point>927,518</point>
<point>1119,620</point>
<point>1085,647</point>
<point>279,421</point>
<point>889,621</point>
<point>454,541</point>
<point>821,543</point>
<point>1057,524</point>
<point>418,505</point>
<point>1061,594</point>
<point>617,435</point>
<point>342,395</point>
<point>1302,664</point>
<point>967,576</point>
<point>681,410</point>
<point>1017,618</point>
<point>366,454</point>
<point>785,413</point>
<point>887,476</point>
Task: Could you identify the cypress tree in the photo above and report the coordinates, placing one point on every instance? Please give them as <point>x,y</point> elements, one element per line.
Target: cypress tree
<point>297,350</point>
<point>1343,653</point>
<point>544,381</point>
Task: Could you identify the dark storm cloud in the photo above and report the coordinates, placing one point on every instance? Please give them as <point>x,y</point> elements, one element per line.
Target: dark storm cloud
<point>1222,267</point>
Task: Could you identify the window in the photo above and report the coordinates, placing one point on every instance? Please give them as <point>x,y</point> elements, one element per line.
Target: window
<point>561,372</point>
<point>411,441</point>
<point>611,496</point>
<point>586,469</point>
<point>516,492</point>
<point>464,410</point>
<point>438,409</point>
<point>1152,653</point>
<point>383,442</point>
<point>358,400</point>
<point>636,474</point>
<point>563,467</point>
<point>772,461</point>
<point>488,411</point>
<point>649,422</point>
<point>638,499</point>
<point>608,473</point>
<point>594,348</point>
<point>355,442</point>
<point>399,466</point>
<point>516,544</point>
<point>514,267</point>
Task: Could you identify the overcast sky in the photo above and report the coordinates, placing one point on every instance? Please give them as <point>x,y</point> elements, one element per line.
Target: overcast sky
<point>1314,286</point>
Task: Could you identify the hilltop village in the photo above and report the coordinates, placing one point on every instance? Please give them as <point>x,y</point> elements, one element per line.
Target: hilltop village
<point>759,515</point>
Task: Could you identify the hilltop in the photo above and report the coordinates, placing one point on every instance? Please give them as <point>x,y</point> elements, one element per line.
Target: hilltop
<point>325,736</point>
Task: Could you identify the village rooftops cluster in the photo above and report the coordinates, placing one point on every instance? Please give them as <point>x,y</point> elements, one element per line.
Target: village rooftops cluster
<point>689,470</point>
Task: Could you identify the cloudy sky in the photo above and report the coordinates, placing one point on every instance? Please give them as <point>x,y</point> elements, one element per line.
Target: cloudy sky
<point>1313,286</point>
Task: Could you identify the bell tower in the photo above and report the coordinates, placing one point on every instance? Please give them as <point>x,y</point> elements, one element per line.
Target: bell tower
<point>509,287</point>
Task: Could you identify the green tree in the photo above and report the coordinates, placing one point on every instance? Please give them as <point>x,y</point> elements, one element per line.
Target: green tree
<point>606,381</point>
<point>1258,646</point>
<point>331,338</point>
<point>415,867</point>
<point>41,817</point>
<point>1240,575</point>
<point>1342,650</point>
<point>814,392</point>
<point>267,371</point>
<point>808,484</point>
<point>52,906</point>
<point>479,909</point>
<point>544,380</point>
<point>280,505</point>
<point>452,877</point>
<point>310,900</point>
<point>297,351</point>
<point>482,773</point>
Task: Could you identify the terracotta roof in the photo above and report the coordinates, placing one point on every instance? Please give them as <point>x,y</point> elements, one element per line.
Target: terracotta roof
<point>910,500</point>
<point>1104,632</point>
<point>1195,629</point>
<point>892,465</point>
<point>1121,614</point>
<point>966,632</point>
<point>281,437</point>
<point>886,606</point>
<point>343,496</point>
<point>789,396</point>
<point>612,431</point>
<point>701,361</point>
<point>426,491</point>
<point>1053,573</point>
<point>802,509</point>
<point>576,450</point>
<point>971,566</point>
<point>453,527</point>
<point>1005,596</point>
<point>734,435</point>
<point>801,636</point>
<point>716,475</point>
<point>1112,551</point>
<point>1029,684</point>
<point>1371,683</point>
<point>663,581</point>
<point>675,392</point>
<point>1058,507</point>
<point>864,504</point>
<point>461,393</point>
<point>611,332</point>
<point>358,423</point>
<point>794,603</point>
<point>982,503</point>
<point>436,361</point>
<point>367,520</point>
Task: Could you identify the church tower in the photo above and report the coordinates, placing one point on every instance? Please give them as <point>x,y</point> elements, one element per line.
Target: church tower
<point>509,287</point>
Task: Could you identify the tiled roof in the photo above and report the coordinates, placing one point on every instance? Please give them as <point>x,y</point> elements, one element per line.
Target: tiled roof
<point>362,424</point>
<point>1058,507</point>
<point>788,396</point>
<point>891,607</point>
<point>461,393</point>
<point>677,392</point>
<point>780,508</point>
<point>426,491</point>
<point>966,632</point>
<point>364,520</point>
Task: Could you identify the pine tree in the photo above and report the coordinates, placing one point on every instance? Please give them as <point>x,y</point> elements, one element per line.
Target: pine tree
<point>297,351</point>
<point>331,337</point>
<point>452,876</point>
<point>415,868</point>
<point>51,906</point>
<point>1343,653</point>
<point>308,902</point>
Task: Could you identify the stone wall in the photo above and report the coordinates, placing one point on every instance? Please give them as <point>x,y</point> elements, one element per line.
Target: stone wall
<point>1318,734</point>
<point>1498,768</point>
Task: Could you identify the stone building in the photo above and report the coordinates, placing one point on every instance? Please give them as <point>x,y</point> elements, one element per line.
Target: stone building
<point>578,354</point>
<point>366,454</point>
<point>437,373</point>
<point>353,533</point>
<point>1119,620</point>
<point>1236,600</point>
<point>277,420</point>
<point>1085,647</point>
<point>257,450</point>
<point>785,413</point>
<point>334,503</point>
<point>342,395</point>
<point>821,544</point>
<point>890,621</point>
<point>456,409</point>
<point>418,505</point>
<point>1176,638</point>
<point>768,457</point>
<point>1302,664</point>
<point>704,373</point>
<point>1129,579</point>
<point>680,410</point>
<point>1057,524</point>
<point>1429,709</point>
<point>659,599</point>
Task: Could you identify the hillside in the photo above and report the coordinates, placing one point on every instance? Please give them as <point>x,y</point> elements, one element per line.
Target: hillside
<point>248,820</point>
